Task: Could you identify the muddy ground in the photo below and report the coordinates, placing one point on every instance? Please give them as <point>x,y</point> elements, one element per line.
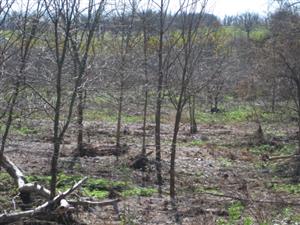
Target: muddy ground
<point>222,174</point>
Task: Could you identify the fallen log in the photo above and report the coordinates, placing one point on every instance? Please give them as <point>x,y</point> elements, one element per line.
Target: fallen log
<point>58,205</point>
<point>13,171</point>
<point>49,205</point>
<point>36,188</point>
<point>25,189</point>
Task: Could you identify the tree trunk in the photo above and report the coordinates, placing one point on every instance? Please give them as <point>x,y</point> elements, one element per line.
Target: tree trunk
<point>144,122</point>
<point>297,101</point>
<point>56,135</point>
<point>216,102</point>
<point>297,167</point>
<point>273,97</point>
<point>157,131</point>
<point>120,109</point>
<point>9,118</point>
<point>145,49</point>
<point>173,155</point>
<point>159,100</point>
<point>80,123</point>
<point>192,106</point>
<point>54,171</point>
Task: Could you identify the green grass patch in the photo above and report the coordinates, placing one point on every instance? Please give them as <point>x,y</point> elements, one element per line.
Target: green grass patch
<point>103,99</point>
<point>97,115</point>
<point>95,187</point>
<point>20,130</point>
<point>132,119</point>
<point>26,131</point>
<point>286,149</point>
<point>209,190</point>
<point>235,212</point>
<point>240,114</point>
<point>100,188</point>
<point>288,188</point>
<point>196,143</point>
<point>259,34</point>
<point>225,162</point>
<point>43,180</point>
<point>92,115</point>
<point>6,181</point>
<point>261,149</point>
<point>8,189</point>
<point>139,191</point>
<point>290,215</point>
<point>100,194</point>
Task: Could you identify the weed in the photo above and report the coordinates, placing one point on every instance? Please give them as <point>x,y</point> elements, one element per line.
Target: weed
<point>225,162</point>
<point>240,114</point>
<point>288,149</point>
<point>44,180</point>
<point>289,188</point>
<point>8,189</point>
<point>261,149</point>
<point>266,148</point>
<point>132,119</point>
<point>92,115</point>
<point>210,190</point>
<point>21,130</point>
<point>94,187</point>
<point>248,221</point>
<point>100,194</point>
<point>139,191</point>
<point>128,217</point>
<point>26,131</point>
<point>235,211</point>
<point>196,143</point>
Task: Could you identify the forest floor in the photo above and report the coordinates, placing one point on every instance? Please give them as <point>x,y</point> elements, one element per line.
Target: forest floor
<point>221,175</point>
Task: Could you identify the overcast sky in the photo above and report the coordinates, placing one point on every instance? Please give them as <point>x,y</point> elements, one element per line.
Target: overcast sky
<point>233,7</point>
<point>218,7</point>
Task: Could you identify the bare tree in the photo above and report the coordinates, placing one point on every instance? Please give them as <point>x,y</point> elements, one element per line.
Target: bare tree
<point>24,42</point>
<point>63,18</point>
<point>283,50</point>
<point>187,56</point>
<point>146,26</point>
<point>248,21</point>
<point>82,38</point>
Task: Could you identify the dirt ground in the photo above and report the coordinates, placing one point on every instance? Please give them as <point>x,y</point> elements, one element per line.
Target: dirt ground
<point>216,168</point>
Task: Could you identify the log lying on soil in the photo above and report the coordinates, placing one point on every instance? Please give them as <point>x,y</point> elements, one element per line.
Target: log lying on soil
<point>13,171</point>
<point>24,188</point>
<point>58,200</point>
<point>35,188</point>
<point>59,204</point>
